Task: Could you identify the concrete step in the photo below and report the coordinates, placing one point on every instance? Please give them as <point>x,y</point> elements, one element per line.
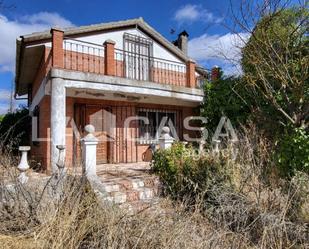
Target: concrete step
<point>130,184</point>
<point>131,191</point>
<point>128,192</point>
<point>132,195</point>
<point>138,206</point>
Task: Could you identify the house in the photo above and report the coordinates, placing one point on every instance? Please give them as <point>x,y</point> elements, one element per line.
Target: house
<point>105,75</point>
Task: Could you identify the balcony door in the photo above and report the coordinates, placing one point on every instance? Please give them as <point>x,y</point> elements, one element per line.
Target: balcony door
<point>137,57</point>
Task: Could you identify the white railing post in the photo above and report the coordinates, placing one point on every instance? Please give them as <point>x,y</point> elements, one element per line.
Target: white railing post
<point>61,160</point>
<point>201,146</point>
<point>89,151</point>
<point>166,140</point>
<point>234,148</point>
<point>216,145</point>
<point>23,166</point>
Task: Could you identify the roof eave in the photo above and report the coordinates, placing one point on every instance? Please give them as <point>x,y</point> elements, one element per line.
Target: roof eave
<point>17,63</point>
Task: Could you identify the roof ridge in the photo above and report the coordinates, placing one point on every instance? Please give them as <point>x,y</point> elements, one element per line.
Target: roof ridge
<point>139,22</point>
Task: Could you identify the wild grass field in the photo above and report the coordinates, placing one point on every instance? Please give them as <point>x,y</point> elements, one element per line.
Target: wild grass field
<point>222,203</point>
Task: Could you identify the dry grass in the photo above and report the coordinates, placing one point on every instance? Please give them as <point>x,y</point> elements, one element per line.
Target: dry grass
<point>77,220</point>
<point>259,212</point>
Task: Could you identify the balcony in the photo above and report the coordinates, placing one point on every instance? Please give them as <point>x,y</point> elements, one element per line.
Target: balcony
<point>107,60</point>
<point>146,68</point>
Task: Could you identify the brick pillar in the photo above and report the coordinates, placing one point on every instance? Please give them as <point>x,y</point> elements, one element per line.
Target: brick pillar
<point>109,58</point>
<point>191,74</point>
<point>57,47</point>
<point>215,73</point>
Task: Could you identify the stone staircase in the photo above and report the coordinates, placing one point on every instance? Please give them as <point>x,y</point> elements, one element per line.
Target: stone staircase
<point>131,186</point>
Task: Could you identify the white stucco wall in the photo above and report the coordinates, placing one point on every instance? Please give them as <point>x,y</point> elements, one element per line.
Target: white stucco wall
<point>158,50</point>
<point>117,36</point>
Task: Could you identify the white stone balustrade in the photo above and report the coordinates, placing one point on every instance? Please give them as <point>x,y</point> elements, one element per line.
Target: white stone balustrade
<point>166,140</point>
<point>89,149</point>
<point>23,166</point>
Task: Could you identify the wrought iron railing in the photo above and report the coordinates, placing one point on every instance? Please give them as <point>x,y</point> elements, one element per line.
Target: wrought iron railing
<point>89,57</point>
<point>83,56</point>
<point>203,77</point>
<point>148,68</point>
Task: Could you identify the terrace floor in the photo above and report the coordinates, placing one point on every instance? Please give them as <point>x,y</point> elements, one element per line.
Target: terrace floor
<point>134,170</point>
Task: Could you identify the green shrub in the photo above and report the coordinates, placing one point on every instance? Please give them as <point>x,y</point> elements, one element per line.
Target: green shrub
<point>187,176</point>
<point>229,97</point>
<point>293,152</point>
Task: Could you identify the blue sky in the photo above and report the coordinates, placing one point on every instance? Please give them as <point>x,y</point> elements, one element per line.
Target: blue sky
<point>203,20</point>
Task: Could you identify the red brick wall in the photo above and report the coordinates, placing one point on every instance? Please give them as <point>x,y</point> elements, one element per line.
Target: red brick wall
<point>57,48</point>
<point>109,58</point>
<point>118,150</point>
<point>121,149</point>
<point>40,151</point>
<point>191,78</point>
<point>84,62</point>
<point>69,138</point>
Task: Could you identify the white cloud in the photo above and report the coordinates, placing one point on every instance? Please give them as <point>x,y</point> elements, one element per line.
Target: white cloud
<point>191,13</point>
<point>48,19</point>
<point>4,95</point>
<point>12,29</point>
<point>226,49</point>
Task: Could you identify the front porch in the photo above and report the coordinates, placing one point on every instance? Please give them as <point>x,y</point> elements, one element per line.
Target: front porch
<point>75,99</point>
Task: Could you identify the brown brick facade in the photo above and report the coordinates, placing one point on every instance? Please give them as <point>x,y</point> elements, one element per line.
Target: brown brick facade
<point>40,149</point>
<point>119,149</point>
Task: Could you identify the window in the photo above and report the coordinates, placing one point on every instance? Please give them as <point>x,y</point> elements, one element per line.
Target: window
<point>149,133</point>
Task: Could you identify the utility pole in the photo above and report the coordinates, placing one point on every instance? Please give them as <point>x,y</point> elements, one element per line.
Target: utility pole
<point>11,108</point>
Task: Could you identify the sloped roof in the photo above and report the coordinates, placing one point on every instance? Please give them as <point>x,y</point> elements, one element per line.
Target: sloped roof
<point>138,22</point>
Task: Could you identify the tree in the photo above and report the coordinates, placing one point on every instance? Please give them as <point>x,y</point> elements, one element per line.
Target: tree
<point>275,63</point>
<point>15,130</point>
<point>226,96</point>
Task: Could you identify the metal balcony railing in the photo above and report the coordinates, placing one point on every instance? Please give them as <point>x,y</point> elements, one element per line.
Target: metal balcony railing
<point>83,56</point>
<point>89,57</point>
<point>147,68</point>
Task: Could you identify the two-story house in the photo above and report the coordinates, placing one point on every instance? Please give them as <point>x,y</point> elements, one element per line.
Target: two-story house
<point>104,74</point>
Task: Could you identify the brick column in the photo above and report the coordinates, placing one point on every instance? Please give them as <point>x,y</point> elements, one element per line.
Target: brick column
<point>191,74</point>
<point>109,58</point>
<point>215,73</point>
<point>57,47</point>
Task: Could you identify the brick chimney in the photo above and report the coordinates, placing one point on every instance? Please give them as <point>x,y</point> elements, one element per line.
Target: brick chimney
<point>182,42</point>
<point>215,73</point>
